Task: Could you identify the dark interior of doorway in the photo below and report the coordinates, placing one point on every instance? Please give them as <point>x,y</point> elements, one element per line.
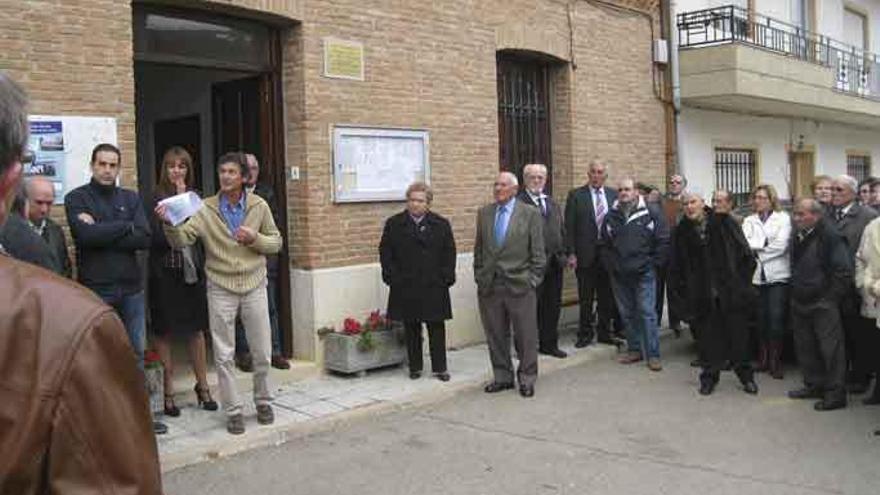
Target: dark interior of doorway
<point>188,95</point>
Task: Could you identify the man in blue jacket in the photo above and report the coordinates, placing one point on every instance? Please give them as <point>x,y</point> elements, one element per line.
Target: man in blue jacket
<point>109,226</point>
<point>638,239</point>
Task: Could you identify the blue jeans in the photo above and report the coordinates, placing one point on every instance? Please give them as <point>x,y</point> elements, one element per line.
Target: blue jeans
<point>131,310</point>
<point>241,343</point>
<point>636,296</point>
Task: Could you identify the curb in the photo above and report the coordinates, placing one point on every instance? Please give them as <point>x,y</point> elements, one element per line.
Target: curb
<point>277,435</point>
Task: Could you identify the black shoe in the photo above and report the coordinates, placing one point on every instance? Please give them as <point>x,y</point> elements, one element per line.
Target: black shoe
<point>557,353</point>
<point>829,405</point>
<point>707,387</point>
<point>583,342</point>
<point>527,390</point>
<point>159,428</point>
<point>280,362</point>
<point>203,397</point>
<point>495,387</point>
<point>697,363</point>
<point>171,408</point>
<point>265,414</point>
<point>750,387</point>
<point>805,393</point>
<point>415,375</point>
<point>442,376</point>
<point>235,424</point>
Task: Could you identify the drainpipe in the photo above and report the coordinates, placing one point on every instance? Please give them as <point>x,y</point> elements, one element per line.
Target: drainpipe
<point>672,44</point>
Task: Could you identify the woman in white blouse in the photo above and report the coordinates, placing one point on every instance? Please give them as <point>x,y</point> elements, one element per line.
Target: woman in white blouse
<point>768,232</point>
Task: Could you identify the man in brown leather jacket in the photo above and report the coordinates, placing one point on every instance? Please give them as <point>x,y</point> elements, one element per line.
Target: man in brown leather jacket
<point>73,408</point>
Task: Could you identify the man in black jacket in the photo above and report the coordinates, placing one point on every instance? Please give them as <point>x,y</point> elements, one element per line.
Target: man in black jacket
<point>19,240</point>
<point>821,274</point>
<point>637,244</point>
<point>41,197</point>
<point>109,227</point>
<point>711,276</point>
<point>550,291</point>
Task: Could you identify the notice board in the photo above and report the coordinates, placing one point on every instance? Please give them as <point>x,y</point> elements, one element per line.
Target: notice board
<point>377,164</point>
<point>62,147</point>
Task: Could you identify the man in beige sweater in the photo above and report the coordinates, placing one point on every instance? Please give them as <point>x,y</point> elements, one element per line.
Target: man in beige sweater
<point>237,231</point>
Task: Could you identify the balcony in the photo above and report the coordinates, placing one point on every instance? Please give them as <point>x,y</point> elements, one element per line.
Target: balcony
<point>732,59</point>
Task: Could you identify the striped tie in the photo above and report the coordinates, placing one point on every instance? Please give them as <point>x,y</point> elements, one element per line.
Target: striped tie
<point>600,208</point>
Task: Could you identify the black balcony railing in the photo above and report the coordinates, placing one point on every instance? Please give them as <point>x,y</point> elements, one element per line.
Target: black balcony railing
<point>856,71</point>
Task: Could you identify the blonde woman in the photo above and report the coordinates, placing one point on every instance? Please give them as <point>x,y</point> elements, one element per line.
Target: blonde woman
<point>768,232</point>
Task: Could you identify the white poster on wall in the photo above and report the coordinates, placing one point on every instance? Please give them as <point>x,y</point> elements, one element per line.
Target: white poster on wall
<point>62,147</point>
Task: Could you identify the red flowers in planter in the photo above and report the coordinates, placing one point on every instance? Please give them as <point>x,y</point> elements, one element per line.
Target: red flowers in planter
<point>152,359</point>
<point>351,326</point>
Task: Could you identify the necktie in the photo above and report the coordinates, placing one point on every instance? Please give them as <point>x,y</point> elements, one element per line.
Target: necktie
<point>840,214</point>
<point>543,206</point>
<point>500,225</point>
<point>600,208</point>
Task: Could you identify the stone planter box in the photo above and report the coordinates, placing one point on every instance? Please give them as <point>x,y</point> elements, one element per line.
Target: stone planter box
<point>155,388</point>
<point>341,352</point>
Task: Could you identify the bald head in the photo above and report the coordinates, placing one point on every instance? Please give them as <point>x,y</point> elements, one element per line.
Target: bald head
<point>41,196</point>
<point>506,186</point>
<point>807,213</point>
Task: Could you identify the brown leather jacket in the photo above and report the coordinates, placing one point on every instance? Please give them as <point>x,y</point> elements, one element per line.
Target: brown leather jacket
<point>74,418</point>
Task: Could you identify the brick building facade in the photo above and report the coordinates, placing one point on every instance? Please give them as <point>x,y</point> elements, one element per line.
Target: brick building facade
<point>427,65</point>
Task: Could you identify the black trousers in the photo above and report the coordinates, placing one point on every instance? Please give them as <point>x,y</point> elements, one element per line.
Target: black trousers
<point>436,341</point>
<point>549,299</point>
<point>819,341</point>
<point>724,335</point>
<point>862,348</point>
<point>674,319</point>
<point>595,281</point>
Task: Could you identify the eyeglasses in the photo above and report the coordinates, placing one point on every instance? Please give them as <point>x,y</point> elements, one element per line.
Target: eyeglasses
<point>838,189</point>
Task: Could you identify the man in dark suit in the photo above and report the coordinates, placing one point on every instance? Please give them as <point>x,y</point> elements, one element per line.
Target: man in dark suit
<point>549,293</point>
<point>41,197</point>
<point>585,212</point>
<point>851,218</point>
<point>509,263</point>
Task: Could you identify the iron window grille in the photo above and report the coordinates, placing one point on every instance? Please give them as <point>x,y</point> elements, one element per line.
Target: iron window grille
<point>858,166</point>
<point>735,172</point>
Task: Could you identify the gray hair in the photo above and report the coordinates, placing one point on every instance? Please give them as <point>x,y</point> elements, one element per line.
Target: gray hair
<point>684,181</point>
<point>848,181</point>
<point>13,122</point>
<point>598,163</point>
<point>31,182</point>
<point>534,166</point>
<point>510,176</point>
<point>812,205</point>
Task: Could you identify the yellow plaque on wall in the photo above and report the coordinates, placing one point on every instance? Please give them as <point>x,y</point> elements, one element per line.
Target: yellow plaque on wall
<point>343,59</point>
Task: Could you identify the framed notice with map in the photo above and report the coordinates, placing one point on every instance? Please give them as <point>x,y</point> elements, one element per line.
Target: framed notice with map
<point>377,164</point>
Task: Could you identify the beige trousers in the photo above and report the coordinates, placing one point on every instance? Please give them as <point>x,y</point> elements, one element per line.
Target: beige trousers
<point>253,306</point>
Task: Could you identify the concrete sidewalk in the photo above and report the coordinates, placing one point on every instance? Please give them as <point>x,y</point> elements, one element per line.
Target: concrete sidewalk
<point>324,401</point>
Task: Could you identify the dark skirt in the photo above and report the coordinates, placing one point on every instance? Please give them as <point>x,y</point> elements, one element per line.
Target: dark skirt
<point>176,308</point>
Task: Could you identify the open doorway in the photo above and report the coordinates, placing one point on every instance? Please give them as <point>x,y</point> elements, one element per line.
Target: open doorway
<point>211,84</point>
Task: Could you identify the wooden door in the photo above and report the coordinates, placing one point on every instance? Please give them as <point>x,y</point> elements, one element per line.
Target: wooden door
<point>802,173</point>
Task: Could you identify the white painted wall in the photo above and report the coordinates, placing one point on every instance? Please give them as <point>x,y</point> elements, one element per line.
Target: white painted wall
<point>702,131</point>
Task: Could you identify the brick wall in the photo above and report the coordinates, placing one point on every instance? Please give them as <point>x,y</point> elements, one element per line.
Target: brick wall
<point>429,65</point>
<point>432,65</point>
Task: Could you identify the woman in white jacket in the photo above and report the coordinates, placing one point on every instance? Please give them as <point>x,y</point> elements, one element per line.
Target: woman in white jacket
<point>768,232</point>
<point>868,285</point>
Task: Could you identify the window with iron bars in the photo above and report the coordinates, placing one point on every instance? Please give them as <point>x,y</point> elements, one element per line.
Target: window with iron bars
<point>735,172</point>
<point>858,166</point>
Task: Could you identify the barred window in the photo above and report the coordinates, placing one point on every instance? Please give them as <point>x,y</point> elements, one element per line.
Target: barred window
<point>858,166</point>
<point>735,171</point>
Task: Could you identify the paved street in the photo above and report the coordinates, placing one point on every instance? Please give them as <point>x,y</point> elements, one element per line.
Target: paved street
<point>598,428</point>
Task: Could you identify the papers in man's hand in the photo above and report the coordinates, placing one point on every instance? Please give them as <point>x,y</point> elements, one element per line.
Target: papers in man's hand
<point>179,208</point>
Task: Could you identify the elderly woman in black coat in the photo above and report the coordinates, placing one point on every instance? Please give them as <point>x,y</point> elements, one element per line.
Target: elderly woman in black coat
<point>417,252</point>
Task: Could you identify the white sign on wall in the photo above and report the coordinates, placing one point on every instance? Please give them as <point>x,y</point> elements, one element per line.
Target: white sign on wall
<point>377,164</point>
<point>62,147</point>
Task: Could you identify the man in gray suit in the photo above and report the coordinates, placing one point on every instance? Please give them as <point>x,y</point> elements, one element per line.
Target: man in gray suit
<point>851,218</point>
<point>509,263</point>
